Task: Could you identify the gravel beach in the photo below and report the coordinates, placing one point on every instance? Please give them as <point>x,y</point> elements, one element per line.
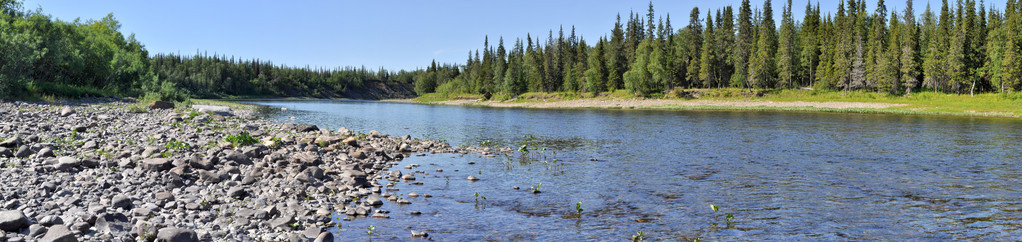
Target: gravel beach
<point>93,170</point>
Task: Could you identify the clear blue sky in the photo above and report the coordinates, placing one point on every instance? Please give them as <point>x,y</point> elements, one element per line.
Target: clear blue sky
<point>392,34</point>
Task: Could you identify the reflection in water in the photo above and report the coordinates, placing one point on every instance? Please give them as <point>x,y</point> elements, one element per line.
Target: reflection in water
<point>784,175</point>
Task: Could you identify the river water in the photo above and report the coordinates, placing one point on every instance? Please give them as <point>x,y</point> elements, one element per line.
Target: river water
<point>781,175</point>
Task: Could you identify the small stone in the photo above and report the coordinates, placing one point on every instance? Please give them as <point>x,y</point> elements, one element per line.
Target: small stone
<point>82,227</point>
<point>176,235</point>
<point>408,177</point>
<point>413,194</point>
<point>373,201</point>
<point>418,234</point>
<point>472,178</point>
<point>358,154</point>
<point>415,213</point>
<point>237,192</point>
<point>350,141</point>
<point>50,220</point>
<point>157,164</point>
<point>306,128</point>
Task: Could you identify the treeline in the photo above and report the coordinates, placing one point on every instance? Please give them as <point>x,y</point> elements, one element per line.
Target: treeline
<point>218,76</point>
<point>964,48</point>
<point>40,56</point>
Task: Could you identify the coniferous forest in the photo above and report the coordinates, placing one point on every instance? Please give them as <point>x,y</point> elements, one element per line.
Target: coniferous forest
<point>963,47</point>
<point>41,56</point>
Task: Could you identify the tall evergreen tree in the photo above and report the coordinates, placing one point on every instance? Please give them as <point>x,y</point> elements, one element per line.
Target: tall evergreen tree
<point>909,45</point>
<point>742,48</point>
<point>693,47</point>
<point>615,57</point>
<point>786,50</point>
<point>707,57</point>
<point>761,68</point>
<point>809,45</point>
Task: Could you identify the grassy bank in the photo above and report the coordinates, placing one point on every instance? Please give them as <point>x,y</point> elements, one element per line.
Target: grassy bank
<point>928,103</point>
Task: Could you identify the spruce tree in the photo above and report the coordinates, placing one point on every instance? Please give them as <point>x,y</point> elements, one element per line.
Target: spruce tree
<point>707,56</point>
<point>596,75</point>
<point>761,68</point>
<point>991,71</point>
<point>743,44</point>
<point>786,53</point>
<point>909,55</point>
<point>875,47</point>
<point>809,45</point>
<point>693,47</point>
<point>957,70</point>
<point>1011,63</point>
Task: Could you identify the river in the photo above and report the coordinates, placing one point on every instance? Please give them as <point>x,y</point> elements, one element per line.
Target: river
<point>780,175</point>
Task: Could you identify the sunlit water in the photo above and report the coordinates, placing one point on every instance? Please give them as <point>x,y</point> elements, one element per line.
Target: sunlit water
<point>782,175</point>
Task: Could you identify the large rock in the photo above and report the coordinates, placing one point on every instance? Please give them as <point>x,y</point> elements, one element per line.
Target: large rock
<point>4,152</point>
<point>59,233</point>
<point>158,164</point>
<point>221,110</point>
<point>176,235</point>
<point>112,223</point>
<point>11,142</point>
<point>13,220</point>
<point>23,151</point>
<point>306,128</point>
<point>325,237</point>
<point>161,105</point>
<point>66,111</point>
<point>121,201</point>
<point>239,157</point>
<point>67,163</point>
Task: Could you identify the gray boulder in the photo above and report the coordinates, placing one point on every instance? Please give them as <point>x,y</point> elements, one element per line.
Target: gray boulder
<point>13,221</point>
<point>176,235</point>
<point>59,233</point>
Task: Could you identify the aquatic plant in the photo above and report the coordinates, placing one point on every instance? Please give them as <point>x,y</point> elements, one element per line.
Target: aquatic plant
<point>638,237</point>
<point>369,231</point>
<point>535,189</point>
<point>578,208</point>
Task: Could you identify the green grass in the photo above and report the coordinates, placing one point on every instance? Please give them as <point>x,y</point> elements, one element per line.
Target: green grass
<point>922,102</point>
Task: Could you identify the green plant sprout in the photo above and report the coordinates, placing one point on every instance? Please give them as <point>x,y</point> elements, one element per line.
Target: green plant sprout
<point>638,237</point>
<point>578,208</point>
<point>535,189</point>
<point>369,231</point>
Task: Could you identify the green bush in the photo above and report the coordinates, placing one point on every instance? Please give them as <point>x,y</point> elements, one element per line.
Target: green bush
<point>240,140</point>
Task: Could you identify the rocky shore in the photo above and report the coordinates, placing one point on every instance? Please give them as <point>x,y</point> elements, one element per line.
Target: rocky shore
<point>97,170</point>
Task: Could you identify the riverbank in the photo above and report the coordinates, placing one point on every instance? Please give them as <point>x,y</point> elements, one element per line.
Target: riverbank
<point>99,170</point>
<point>924,103</point>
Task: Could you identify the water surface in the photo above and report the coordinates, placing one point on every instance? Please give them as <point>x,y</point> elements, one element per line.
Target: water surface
<point>783,175</point>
